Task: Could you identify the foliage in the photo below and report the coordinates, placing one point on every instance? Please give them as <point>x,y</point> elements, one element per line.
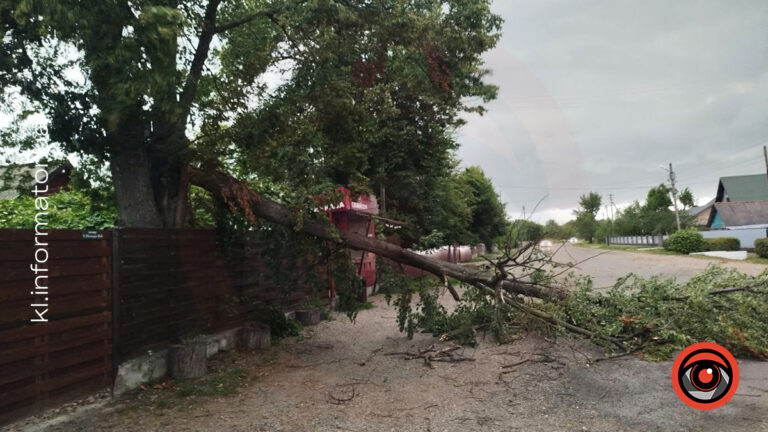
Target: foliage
<point>665,316</point>
<point>590,203</point>
<point>653,217</point>
<point>488,216</point>
<point>419,309</point>
<point>686,198</point>
<point>723,244</point>
<point>370,96</point>
<point>761,247</point>
<point>280,326</point>
<point>586,215</point>
<point>72,210</point>
<point>559,232</point>
<point>518,231</point>
<point>448,215</point>
<point>685,242</point>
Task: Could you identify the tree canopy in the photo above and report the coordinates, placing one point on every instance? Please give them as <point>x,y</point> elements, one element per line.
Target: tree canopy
<point>305,94</point>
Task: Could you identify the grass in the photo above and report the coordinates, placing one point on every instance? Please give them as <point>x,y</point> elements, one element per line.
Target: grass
<point>224,382</point>
<point>225,376</point>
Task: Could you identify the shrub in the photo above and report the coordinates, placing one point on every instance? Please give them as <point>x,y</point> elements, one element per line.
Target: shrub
<point>723,244</point>
<point>685,242</point>
<point>761,247</point>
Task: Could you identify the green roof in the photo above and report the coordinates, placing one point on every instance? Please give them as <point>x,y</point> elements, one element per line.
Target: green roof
<point>744,188</point>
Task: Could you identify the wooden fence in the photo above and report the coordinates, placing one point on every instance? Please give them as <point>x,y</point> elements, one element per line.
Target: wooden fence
<point>171,283</point>
<point>43,364</point>
<point>160,284</point>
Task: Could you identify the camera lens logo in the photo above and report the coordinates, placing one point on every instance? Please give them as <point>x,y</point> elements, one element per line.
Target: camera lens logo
<point>705,376</point>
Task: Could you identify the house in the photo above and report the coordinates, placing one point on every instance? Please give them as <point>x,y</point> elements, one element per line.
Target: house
<point>752,187</point>
<point>16,178</point>
<point>739,215</point>
<point>701,213</point>
<point>741,202</point>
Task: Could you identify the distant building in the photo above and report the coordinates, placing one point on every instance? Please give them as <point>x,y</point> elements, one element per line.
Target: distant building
<point>741,202</point>
<point>701,213</point>
<point>15,178</point>
<point>752,187</point>
<point>739,215</point>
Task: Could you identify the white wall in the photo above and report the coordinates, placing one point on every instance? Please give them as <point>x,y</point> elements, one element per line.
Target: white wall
<point>747,237</point>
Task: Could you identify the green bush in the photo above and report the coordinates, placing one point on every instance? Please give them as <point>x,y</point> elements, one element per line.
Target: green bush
<point>72,210</point>
<point>685,242</point>
<point>723,244</point>
<point>761,247</point>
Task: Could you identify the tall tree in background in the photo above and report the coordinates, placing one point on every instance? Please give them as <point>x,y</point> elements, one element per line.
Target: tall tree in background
<point>586,215</point>
<point>488,216</point>
<point>371,90</point>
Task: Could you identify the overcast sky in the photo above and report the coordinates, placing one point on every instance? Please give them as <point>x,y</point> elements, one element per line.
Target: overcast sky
<point>599,95</point>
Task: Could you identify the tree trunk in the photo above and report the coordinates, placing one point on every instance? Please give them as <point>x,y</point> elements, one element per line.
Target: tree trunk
<point>187,360</point>
<point>308,317</point>
<point>134,194</point>
<point>150,192</point>
<point>254,336</point>
<point>235,193</point>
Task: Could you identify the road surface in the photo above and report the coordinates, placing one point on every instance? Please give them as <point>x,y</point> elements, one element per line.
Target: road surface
<point>605,266</point>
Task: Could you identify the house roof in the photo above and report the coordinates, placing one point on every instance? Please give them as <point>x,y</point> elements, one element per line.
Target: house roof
<point>742,213</point>
<point>15,177</point>
<point>695,211</point>
<point>752,187</point>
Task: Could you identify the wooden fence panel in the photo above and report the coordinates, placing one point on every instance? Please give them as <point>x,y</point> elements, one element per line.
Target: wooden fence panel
<point>174,283</point>
<point>44,364</point>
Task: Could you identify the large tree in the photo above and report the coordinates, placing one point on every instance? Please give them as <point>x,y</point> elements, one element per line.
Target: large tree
<point>367,91</point>
<point>489,218</point>
<point>586,215</point>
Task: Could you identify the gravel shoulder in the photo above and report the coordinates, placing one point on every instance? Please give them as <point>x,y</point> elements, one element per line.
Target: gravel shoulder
<point>292,388</point>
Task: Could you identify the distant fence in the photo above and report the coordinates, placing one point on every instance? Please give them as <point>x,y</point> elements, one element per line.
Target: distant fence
<point>646,240</point>
<point>746,237</point>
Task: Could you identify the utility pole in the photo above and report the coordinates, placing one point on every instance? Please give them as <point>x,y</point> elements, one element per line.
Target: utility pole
<point>765,155</point>
<point>613,215</point>
<point>674,194</point>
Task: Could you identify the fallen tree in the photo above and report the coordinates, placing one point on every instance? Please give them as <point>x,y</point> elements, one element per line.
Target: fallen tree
<point>239,197</point>
<point>636,314</point>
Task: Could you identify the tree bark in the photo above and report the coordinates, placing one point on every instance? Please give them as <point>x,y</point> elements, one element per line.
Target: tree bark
<point>187,360</point>
<point>238,196</point>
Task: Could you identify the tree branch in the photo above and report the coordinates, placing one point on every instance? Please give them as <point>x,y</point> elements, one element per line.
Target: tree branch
<point>244,20</point>
<point>238,196</point>
<point>198,61</point>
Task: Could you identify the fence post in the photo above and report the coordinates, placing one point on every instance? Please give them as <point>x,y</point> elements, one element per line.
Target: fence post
<point>115,288</point>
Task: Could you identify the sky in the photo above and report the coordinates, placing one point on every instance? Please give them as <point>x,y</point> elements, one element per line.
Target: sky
<point>602,95</point>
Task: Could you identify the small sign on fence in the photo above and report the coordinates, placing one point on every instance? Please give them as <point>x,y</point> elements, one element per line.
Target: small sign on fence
<point>93,235</point>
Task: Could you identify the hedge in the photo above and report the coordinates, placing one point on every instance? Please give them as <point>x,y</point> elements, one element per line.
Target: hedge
<point>685,242</point>
<point>761,247</point>
<point>723,244</point>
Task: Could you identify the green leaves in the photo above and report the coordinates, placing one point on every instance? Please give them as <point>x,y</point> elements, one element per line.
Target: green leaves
<point>71,210</point>
<point>685,242</point>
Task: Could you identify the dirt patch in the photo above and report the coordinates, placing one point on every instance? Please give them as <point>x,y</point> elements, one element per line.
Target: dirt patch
<point>336,377</point>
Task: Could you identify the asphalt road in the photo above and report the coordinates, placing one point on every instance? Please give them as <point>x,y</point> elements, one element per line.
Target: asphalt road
<point>605,266</point>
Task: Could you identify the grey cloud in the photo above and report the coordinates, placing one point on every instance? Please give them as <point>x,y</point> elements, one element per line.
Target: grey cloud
<point>597,95</point>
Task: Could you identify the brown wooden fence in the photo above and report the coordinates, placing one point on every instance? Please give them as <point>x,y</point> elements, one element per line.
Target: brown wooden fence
<point>172,283</point>
<point>42,364</point>
<point>161,285</point>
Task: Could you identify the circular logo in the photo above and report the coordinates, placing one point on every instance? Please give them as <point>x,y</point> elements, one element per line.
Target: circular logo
<point>705,376</point>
